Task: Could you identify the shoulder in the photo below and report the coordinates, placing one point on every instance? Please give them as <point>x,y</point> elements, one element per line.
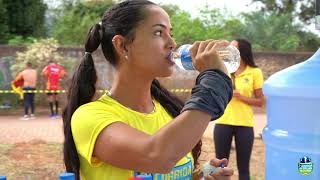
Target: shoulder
<point>101,109</point>
<point>45,68</point>
<point>92,117</point>
<point>255,70</point>
<point>96,107</point>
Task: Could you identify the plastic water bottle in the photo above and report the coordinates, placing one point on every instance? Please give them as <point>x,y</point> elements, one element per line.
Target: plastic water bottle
<point>3,178</point>
<point>208,169</point>
<point>292,134</point>
<point>67,176</point>
<point>230,56</point>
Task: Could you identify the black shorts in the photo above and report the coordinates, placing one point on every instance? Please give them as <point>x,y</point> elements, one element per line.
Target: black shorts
<point>50,94</point>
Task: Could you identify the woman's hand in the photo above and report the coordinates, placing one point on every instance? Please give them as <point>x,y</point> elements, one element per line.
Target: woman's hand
<point>205,56</point>
<point>236,94</point>
<point>224,173</point>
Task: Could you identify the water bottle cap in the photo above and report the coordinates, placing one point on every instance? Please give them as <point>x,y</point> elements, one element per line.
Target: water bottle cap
<point>67,176</point>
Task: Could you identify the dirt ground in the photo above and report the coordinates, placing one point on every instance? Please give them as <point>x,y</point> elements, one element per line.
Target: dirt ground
<point>38,160</point>
<point>256,163</point>
<point>34,160</point>
<point>34,149</point>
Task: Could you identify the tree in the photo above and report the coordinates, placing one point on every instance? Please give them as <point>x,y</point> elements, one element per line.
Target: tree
<point>216,23</point>
<point>25,18</point>
<point>76,18</point>
<point>211,24</point>
<point>271,31</point>
<point>297,8</point>
<point>4,30</point>
<point>171,9</point>
<point>39,53</point>
<point>185,29</point>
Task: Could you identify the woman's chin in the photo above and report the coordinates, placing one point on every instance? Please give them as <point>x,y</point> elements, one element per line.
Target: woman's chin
<point>166,73</point>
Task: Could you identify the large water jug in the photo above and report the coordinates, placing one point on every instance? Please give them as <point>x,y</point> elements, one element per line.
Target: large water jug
<point>292,134</point>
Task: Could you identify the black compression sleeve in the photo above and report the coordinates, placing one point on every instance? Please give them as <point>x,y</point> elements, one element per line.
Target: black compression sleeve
<point>211,94</point>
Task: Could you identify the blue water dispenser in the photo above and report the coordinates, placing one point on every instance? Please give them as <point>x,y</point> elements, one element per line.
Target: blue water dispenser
<point>292,134</point>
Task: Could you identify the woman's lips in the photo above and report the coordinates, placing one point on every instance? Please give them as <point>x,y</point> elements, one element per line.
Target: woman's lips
<point>170,56</point>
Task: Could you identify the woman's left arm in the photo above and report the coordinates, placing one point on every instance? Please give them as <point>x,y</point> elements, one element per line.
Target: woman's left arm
<point>258,99</point>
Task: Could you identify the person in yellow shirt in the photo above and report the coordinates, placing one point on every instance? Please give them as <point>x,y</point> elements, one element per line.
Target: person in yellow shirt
<point>237,120</point>
<point>139,127</point>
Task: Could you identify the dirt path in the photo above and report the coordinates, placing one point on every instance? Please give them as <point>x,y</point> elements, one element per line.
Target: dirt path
<point>260,120</point>
<point>13,130</point>
<point>32,149</point>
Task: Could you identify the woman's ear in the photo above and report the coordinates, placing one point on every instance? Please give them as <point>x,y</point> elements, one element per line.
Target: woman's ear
<point>118,42</point>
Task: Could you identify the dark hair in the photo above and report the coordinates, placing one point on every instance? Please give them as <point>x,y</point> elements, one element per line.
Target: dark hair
<point>29,64</point>
<point>246,52</point>
<point>121,19</point>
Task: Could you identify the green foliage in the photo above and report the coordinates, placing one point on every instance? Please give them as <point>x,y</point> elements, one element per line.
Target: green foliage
<point>4,29</point>
<point>235,27</point>
<point>170,9</point>
<point>267,30</point>
<point>270,32</point>
<point>19,40</point>
<point>185,29</point>
<point>25,18</point>
<point>297,8</point>
<point>76,19</point>
<point>39,53</point>
<point>308,41</point>
<point>210,25</point>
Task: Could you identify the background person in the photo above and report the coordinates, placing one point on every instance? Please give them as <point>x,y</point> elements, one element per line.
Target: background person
<point>237,120</point>
<point>53,72</point>
<point>28,77</point>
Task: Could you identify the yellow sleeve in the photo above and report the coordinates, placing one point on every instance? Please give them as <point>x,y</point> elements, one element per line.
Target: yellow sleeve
<point>87,122</point>
<point>257,79</point>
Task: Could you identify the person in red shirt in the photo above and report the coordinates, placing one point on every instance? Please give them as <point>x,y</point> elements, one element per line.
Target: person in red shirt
<point>53,72</point>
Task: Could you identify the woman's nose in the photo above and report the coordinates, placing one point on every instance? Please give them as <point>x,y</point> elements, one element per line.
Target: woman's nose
<point>172,43</point>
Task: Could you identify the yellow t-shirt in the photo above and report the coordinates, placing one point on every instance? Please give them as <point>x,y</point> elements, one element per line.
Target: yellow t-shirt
<point>90,119</point>
<point>237,112</point>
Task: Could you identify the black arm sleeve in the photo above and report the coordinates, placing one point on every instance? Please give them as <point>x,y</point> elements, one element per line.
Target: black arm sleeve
<point>211,94</point>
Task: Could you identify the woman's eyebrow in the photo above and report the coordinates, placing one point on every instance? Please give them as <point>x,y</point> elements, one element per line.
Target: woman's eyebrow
<point>162,25</point>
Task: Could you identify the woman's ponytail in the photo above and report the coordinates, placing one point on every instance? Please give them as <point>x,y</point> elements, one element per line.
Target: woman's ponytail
<point>81,91</point>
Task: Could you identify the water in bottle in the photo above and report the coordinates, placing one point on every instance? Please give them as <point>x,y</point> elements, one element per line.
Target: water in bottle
<point>230,56</point>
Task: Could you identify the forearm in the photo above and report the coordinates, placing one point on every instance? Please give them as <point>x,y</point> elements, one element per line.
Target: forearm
<point>259,102</point>
<point>207,102</point>
<point>176,139</point>
<point>161,151</point>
